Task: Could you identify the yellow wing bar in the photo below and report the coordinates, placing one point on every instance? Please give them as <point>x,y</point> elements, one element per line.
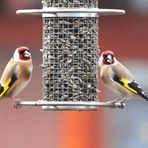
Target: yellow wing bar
<point>126,85</point>
<point>5,87</point>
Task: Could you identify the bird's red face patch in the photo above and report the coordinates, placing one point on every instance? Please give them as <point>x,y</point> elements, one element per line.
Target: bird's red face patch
<point>108,57</point>
<point>107,52</point>
<point>24,53</point>
<point>23,48</point>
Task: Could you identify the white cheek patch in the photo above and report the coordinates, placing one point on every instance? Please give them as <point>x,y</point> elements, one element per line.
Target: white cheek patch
<point>16,56</point>
<point>100,61</point>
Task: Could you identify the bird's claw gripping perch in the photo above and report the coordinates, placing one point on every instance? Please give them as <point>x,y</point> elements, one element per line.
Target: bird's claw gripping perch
<point>118,103</point>
<point>17,104</point>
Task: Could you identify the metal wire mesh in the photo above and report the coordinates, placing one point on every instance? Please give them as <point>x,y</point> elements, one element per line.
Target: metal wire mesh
<point>70,55</point>
<point>71,3</point>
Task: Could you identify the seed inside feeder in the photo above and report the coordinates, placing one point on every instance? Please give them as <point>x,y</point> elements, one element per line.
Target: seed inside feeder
<point>70,55</point>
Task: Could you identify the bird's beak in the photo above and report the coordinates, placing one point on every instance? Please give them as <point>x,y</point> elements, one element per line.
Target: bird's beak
<point>27,54</point>
<point>109,59</point>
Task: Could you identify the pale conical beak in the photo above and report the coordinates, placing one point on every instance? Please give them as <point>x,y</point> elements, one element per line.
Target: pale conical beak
<point>109,59</point>
<point>27,54</point>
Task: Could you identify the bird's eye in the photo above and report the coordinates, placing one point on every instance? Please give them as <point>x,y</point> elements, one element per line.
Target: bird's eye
<point>105,56</point>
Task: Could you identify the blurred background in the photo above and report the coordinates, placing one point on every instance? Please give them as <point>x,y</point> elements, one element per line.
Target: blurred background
<point>30,127</point>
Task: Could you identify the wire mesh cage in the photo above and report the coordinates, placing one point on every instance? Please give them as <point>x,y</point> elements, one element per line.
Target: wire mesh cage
<point>70,54</point>
<point>70,59</point>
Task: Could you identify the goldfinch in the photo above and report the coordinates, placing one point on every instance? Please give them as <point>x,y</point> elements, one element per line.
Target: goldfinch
<point>118,77</point>
<point>17,74</point>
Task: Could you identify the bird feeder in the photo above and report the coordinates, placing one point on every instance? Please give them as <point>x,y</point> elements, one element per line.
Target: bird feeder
<point>70,54</point>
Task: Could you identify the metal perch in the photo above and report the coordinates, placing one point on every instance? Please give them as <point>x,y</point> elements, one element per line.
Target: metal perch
<point>80,11</point>
<point>54,105</point>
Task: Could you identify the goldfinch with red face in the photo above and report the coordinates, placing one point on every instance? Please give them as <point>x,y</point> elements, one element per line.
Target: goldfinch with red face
<point>118,77</point>
<point>17,74</point>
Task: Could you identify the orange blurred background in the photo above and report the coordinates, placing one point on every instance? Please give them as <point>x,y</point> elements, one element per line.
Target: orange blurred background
<point>32,127</point>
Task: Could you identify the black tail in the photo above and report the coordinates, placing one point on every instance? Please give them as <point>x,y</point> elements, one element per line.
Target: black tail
<point>139,90</point>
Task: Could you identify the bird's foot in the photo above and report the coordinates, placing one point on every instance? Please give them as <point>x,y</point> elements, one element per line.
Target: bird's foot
<point>118,103</point>
<point>16,104</point>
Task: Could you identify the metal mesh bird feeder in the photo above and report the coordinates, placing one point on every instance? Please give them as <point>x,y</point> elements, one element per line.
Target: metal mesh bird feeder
<point>70,54</point>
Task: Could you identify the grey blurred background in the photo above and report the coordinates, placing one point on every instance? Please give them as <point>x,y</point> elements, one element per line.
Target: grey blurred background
<point>30,127</point>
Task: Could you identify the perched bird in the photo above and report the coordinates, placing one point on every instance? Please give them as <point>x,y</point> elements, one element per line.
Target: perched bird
<point>118,78</point>
<point>16,74</point>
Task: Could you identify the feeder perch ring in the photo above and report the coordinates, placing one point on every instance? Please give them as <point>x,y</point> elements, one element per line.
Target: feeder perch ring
<point>71,12</point>
<point>70,105</point>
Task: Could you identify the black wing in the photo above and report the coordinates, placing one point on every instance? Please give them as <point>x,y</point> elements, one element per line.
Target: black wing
<point>132,86</point>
